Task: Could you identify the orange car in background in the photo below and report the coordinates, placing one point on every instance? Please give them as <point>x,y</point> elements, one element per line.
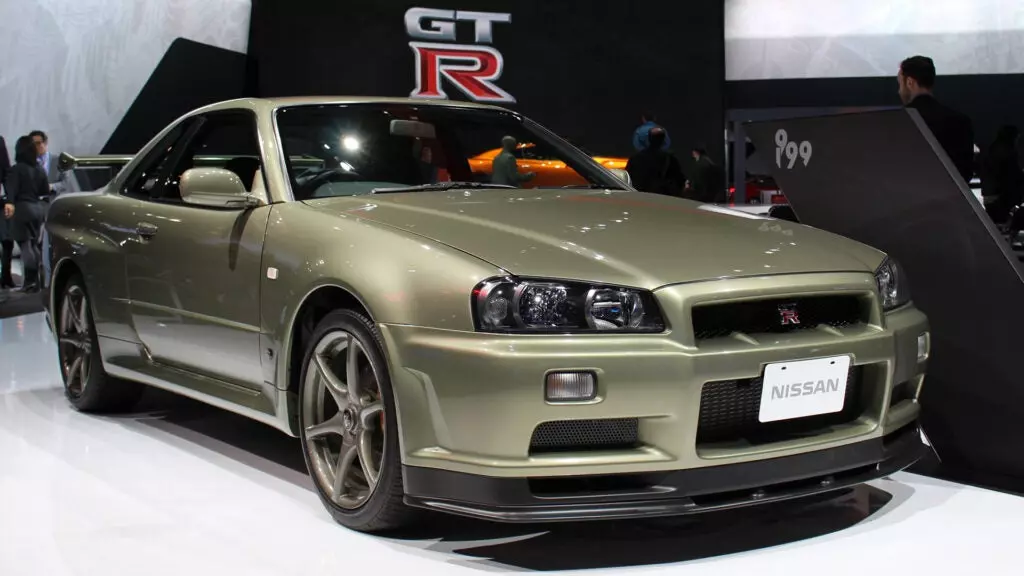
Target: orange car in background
<point>551,173</point>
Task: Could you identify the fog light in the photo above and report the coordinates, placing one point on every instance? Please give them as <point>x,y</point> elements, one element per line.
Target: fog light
<point>570,387</point>
<point>923,347</point>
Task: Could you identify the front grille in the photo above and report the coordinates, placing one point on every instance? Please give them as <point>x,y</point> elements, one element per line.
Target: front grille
<point>764,316</point>
<point>583,435</point>
<point>729,412</point>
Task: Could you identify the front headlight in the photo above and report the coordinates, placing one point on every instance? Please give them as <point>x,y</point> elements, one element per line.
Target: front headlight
<point>892,285</point>
<point>516,305</point>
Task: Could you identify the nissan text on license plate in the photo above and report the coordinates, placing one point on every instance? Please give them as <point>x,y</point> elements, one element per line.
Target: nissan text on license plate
<point>804,388</point>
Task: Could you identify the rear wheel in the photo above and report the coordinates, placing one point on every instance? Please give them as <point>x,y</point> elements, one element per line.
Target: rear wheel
<point>86,384</point>
<point>349,432</point>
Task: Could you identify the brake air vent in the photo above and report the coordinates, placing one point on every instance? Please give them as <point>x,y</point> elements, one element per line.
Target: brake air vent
<point>584,435</point>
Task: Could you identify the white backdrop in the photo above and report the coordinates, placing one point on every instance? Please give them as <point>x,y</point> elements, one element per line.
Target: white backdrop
<point>780,39</point>
<point>73,67</point>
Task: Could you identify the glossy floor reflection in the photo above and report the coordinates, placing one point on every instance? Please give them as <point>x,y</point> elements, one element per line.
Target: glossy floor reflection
<point>180,488</point>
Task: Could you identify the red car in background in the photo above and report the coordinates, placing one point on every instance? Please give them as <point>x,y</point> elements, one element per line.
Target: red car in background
<point>550,172</point>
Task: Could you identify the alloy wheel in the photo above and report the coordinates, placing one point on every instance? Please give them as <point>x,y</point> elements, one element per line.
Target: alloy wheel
<point>343,420</point>
<point>75,340</point>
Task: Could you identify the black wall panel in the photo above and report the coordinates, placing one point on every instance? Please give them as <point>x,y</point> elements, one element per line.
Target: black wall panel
<point>991,100</point>
<point>880,178</point>
<point>190,75</point>
<point>585,69</point>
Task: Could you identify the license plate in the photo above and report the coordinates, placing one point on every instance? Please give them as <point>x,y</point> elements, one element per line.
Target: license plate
<point>804,388</point>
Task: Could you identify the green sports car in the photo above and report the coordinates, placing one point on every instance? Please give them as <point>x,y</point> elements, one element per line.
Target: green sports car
<point>443,340</point>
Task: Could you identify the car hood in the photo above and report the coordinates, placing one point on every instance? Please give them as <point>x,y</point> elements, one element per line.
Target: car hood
<point>614,237</point>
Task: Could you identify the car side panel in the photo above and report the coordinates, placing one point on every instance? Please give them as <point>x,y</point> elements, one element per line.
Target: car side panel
<point>91,231</point>
<point>399,277</point>
<point>194,289</point>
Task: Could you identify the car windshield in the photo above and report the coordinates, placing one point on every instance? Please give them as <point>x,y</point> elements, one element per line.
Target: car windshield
<point>355,149</point>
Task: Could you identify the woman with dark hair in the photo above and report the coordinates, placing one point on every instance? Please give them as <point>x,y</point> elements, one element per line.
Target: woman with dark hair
<point>6,243</point>
<point>26,187</point>
<point>1002,182</point>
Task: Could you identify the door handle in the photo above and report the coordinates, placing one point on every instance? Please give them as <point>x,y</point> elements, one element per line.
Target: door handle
<point>146,230</point>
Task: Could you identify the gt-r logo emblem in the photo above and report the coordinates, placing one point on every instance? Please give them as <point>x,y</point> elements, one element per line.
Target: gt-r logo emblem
<point>472,68</point>
<point>788,315</point>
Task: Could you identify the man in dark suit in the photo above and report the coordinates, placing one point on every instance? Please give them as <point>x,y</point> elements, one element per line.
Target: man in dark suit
<point>654,169</point>
<point>707,181</point>
<point>953,130</point>
<point>47,161</point>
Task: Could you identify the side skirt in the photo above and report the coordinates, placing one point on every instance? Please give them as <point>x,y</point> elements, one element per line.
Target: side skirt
<point>129,360</point>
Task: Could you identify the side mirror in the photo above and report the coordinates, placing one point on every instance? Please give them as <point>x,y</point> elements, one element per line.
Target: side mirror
<point>215,188</point>
<point>622,175</point>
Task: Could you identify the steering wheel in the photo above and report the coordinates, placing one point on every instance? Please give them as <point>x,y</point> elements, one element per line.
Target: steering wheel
<point>332,175</point>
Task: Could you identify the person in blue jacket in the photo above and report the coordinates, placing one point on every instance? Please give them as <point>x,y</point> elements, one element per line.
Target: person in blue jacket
<point>648,121</point>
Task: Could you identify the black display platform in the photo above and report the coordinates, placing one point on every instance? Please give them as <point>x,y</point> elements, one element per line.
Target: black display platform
<point>882,179</point>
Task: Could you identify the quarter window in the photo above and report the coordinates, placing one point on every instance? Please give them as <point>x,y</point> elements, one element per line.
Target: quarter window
<point>146,182</point>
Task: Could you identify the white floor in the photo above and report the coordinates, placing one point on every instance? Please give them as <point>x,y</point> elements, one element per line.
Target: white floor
<point>184,489</point>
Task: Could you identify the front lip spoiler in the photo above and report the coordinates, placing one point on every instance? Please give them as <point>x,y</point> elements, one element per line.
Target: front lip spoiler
<point>898,451</point>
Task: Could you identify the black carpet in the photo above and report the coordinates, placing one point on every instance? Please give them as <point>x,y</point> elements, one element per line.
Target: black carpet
<point>14,303</point>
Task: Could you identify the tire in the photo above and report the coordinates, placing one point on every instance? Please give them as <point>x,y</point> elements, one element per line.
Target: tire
<point>383,507</point>
<point>87,385</point>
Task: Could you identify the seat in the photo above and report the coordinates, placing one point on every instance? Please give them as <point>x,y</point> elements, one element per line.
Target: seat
<point>245,167</point>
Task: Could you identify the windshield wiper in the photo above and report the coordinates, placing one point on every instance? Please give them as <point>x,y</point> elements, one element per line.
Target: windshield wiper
<point>593,187</point>
<point>440,186</point>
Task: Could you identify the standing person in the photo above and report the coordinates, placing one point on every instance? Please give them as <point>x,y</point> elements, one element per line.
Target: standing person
<point>47,161</point>
<point>706,184</point>
<point>1002,182</point>
<point>6,243</point>
<point>27,187</point>
<point>953,130</point>
<point>55,179</point>
<point>505,169</point>
<point>654,169</point>
<point>648,122</point>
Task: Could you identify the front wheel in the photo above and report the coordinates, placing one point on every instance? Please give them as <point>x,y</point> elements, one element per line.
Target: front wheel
<point>349,432</point>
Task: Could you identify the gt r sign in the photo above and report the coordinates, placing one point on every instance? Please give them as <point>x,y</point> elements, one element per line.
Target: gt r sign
<point>471,68</point>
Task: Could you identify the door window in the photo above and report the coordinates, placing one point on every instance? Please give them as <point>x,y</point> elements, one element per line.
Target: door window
<point>225,140</point>
<point>217,140</point>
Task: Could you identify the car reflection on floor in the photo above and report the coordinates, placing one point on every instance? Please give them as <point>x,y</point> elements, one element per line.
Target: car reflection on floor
<point>179,487</point>
<point>544,547</point>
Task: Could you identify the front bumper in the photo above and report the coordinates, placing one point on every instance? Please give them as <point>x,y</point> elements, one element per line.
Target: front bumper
<point>662,494</point>
<point>471,402</point>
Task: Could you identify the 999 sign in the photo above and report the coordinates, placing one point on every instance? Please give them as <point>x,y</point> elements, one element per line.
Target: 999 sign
<point>792,150</point>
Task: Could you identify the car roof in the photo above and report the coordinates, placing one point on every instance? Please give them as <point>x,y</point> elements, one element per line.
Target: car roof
<point>269,104</point>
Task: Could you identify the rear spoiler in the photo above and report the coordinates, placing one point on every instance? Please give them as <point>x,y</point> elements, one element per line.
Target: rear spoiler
<point>66,162</point>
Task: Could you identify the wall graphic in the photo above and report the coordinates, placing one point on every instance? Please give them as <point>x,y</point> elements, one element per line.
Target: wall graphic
<point>74,67</point>
<point>588,73</point>
<point>788,39</point>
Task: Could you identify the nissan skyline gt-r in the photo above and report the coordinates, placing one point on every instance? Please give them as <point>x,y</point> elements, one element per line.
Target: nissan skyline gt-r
<point>511,354</point>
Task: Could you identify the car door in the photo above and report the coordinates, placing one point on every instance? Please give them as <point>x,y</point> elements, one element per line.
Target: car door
<point>194,272</point>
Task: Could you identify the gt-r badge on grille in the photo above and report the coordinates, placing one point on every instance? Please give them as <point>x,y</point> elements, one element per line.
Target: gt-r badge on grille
<point>788,315</point>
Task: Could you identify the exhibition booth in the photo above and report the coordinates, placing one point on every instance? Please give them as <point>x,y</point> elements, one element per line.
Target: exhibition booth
<point>383,285</point>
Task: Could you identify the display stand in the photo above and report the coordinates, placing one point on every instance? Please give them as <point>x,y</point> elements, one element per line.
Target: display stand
<point>882,179</point>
